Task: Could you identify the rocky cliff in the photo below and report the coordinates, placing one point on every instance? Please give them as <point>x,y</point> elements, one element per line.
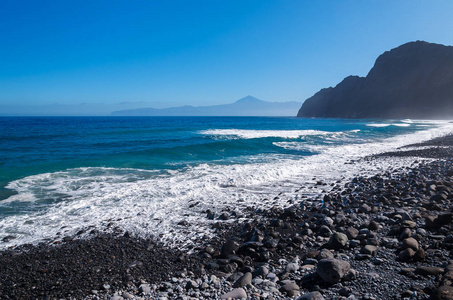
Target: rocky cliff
<point>414,80</point>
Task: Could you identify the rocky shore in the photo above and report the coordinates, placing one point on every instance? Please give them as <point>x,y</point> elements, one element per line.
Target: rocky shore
<point>386,236</point>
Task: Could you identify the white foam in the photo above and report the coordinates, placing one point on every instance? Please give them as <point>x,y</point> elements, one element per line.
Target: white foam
<point>253,134</point>
<point>301,146</point>
<point>151,203</point>
<point>381,125</point>
<point>378,125</point>
<point>424,148</point>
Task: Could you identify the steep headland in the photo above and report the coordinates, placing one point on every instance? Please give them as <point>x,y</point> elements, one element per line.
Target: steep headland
<point>414,80</point>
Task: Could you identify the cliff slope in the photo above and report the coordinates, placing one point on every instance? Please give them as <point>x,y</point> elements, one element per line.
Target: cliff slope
<point>414,80</point>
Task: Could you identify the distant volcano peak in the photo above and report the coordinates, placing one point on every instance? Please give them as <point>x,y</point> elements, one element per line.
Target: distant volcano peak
<point>248,99</point>
<point>247,106</point>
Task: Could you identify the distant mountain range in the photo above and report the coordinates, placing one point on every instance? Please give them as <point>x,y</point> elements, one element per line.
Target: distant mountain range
<point>414,80</point>
<point>247,106</point>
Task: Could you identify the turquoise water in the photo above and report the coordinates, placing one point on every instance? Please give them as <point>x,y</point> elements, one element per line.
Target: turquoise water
<point>40,145</point>
<point>73,172</point>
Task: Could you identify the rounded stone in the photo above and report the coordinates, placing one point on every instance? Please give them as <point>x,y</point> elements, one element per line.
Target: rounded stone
<point>331,270</point>
<point>338,240</point>
<point>410,243</point>
<point>311,296</point>
<point>369,249</point>
<point>238,293</point>
<point>406,254</point>
<point>244,280</point>
<point>229,247</point>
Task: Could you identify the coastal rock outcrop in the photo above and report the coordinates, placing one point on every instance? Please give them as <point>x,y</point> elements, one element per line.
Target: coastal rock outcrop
<point>414,80</point>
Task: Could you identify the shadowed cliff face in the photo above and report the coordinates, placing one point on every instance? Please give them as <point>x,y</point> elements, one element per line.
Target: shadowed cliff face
<point>414,80</point>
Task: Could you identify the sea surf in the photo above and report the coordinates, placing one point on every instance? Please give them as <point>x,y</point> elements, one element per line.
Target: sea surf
<point>145,175</point>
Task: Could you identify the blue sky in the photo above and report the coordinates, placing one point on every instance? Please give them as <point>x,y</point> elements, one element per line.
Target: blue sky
<point>92,57</point>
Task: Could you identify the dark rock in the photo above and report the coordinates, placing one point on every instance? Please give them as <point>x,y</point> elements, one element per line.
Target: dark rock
<point>408,224</point>
<point>183,223</point>
<point>290,288</point>
<point>444,219</point>
<point>439,221</point>
<point>230,268</point>
<point>261,271</point>
<point>324,231</point>
<point>410,243</point>
<point>444,292</point>
<point>311,296</point>
<point>352,233</point>
<point>405,234</point>
<point>369,249</point>
<point>426,270</point>
<point>344,291</point>
<point>191,284</point>
<point>224,216</point>
<point>246,279</point>
<point>419,255</point>
<point>324,253</point>
<point>373,225</point>
<point>236,259</point>
<point>407,271</point>
<point>8,238</point>
<point>313,261</point>
<point>338,241</point>
<point>414,80</point>
<point>332,270</point>
<point>361,256</point>
<point>407,294</point>
<point>406,255</point>
<point>271,243</point>
<point>229,247</point>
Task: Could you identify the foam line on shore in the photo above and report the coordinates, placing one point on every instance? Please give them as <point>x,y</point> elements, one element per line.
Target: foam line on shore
<point>148,204</point>
<point>253,134</point>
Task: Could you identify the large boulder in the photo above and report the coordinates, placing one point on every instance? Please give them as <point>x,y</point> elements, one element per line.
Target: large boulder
<point>338,241</point>
<point>331,270</point>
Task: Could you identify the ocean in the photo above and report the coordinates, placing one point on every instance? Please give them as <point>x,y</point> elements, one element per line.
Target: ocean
<point>62,175</point>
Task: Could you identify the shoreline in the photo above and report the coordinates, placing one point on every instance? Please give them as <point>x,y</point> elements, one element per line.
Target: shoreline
<point>286,243</point>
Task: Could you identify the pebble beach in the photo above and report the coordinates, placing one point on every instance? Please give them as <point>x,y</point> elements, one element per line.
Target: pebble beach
<point>381,236</point>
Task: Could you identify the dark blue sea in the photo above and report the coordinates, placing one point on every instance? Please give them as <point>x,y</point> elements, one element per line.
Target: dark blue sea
<point>59,175</point>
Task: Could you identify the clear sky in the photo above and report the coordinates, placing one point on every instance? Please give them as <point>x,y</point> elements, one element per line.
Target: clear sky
<point>92,57</point>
